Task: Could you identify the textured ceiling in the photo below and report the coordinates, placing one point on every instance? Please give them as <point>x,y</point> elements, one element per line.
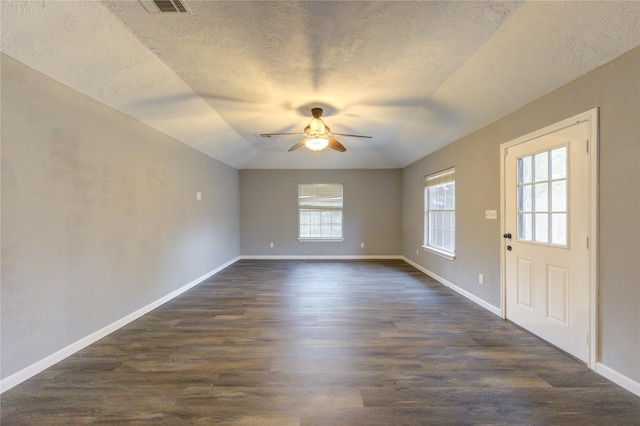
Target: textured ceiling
<point>413,75</point>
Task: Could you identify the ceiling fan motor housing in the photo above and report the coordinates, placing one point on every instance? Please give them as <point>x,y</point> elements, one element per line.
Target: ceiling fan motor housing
<point>316,112</point>
<point>316,128</point>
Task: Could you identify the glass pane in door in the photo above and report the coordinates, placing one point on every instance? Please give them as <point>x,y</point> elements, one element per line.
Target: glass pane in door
<point>542,197</point>
<point>559,163</point>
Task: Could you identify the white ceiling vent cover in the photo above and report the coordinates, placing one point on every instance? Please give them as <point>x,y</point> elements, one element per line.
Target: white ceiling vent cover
<point>164,6</point>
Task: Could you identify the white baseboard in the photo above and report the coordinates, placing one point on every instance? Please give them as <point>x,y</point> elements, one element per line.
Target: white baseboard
<point>39,366</point>
<point>618,378</point>
<point>607,372</point>
<point>321,257</point>
<point>463,292</point>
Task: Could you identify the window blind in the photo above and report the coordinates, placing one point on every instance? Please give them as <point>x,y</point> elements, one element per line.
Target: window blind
<point>320,196</point>
<point>444,176</point>
<point>320,212</point>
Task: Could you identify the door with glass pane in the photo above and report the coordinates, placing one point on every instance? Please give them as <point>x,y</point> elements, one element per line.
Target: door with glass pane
<point>546,237</point>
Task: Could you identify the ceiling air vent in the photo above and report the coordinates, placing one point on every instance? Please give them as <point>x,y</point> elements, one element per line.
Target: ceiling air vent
<point>164,6</point>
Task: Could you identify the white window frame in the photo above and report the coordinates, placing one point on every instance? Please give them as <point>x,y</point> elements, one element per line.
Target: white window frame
<point>321,197</point>
<point>433,182</point>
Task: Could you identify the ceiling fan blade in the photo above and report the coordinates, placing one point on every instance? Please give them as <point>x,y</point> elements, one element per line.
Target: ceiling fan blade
<point>268,135</point>
<point>298,145</point>
<point>351,136</point>
<point>334,144</point>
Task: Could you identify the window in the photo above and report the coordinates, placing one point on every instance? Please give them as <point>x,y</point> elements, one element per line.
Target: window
<point>440,213</point>
<point>542,197</point>
<point>320,212</point>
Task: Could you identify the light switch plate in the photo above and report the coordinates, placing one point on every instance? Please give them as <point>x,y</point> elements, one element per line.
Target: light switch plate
<point>490,214</point>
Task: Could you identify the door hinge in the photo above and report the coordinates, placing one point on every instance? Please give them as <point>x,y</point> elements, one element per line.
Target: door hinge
<point>587,338</point>
<point>587,242</point>
<point>587,146</point>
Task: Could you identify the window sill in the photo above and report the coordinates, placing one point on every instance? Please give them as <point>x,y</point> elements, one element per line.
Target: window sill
<point>320,240</point>
<point>441,253</point>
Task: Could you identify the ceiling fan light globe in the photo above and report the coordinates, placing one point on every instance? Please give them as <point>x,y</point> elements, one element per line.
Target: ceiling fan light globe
<point>317,144</point>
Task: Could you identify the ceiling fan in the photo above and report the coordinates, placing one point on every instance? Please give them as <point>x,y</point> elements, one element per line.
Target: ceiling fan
<point>317,135</point>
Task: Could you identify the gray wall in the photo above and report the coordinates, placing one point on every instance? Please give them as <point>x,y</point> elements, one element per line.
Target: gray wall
<point>615,88</point>
<point>371,212</point>
<point>99,215</point>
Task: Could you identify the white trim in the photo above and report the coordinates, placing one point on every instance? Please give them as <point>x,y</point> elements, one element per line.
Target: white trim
<point>590,116</point>
<point>489,307</point>
<point>503,264</point>
<point>39,366</point>
<point>321,257</point>
<point>320,240</point>
<point>600,368</point>
<point>441,253</point>
<point>594,248</point>
<point>618,378</point>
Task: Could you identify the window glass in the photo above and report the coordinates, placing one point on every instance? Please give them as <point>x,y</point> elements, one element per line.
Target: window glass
<point>559,163</point>
<point>524,170</point>
<point>541,166</point>
<point>542,197</point>
<point>559,196</point>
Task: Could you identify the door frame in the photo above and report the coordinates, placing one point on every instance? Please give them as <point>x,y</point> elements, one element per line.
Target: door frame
<point>592,145</point>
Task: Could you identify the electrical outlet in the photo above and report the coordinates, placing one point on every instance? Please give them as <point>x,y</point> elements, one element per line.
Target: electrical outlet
<point>361,245</point>
<point>480,279</point>
<point>198,195</point>
<point>271,245</point>
<point>418,251</point>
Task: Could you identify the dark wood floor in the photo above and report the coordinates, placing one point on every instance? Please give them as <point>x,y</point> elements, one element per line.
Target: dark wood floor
<point>319,343</point>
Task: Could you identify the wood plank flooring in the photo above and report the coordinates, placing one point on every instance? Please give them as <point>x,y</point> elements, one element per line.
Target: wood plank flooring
<point>319,343</point>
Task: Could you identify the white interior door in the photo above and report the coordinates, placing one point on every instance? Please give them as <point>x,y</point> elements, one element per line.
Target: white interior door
<point>547,226</point>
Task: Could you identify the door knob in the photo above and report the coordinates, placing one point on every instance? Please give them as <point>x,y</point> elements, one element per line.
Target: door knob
<point>509,248</point>
<point>507,235</point>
